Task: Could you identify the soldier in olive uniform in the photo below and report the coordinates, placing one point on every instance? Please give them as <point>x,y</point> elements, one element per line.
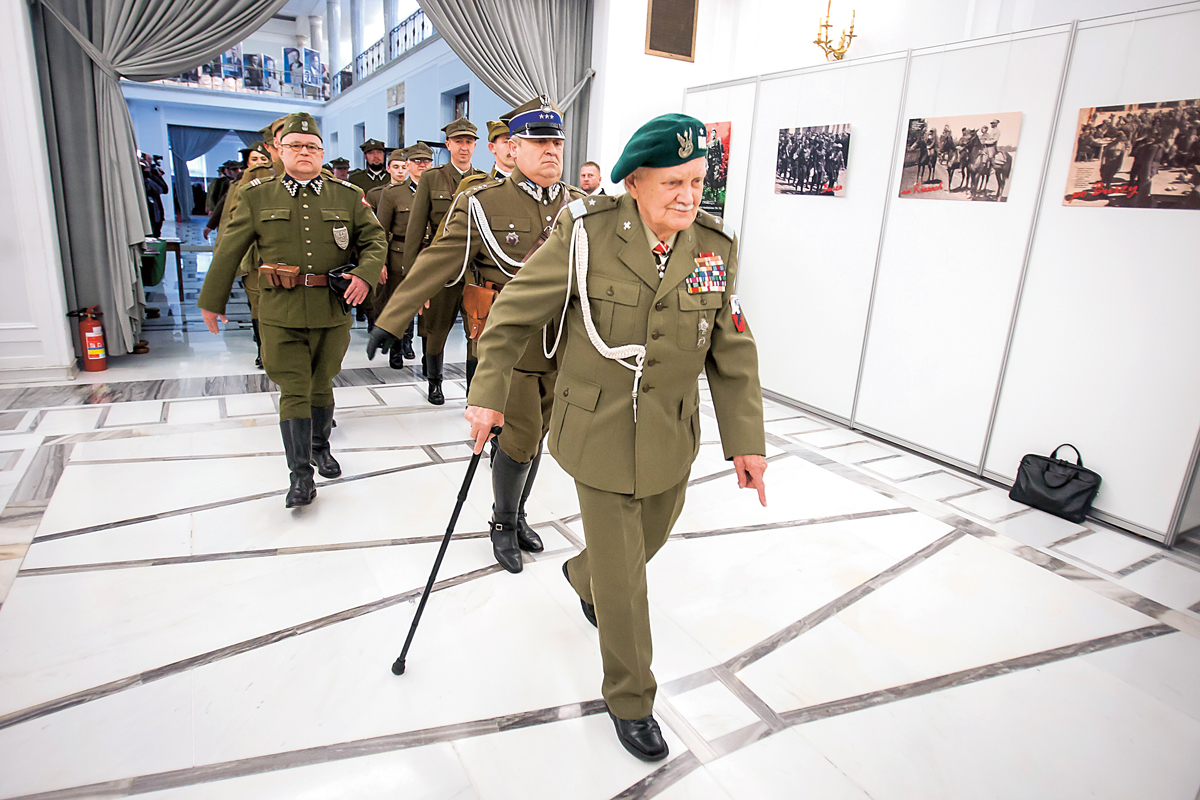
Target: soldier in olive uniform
<point>435,191</point>
<point>397,169</point>
<point>375,172</point>
<point>519,211</point>
<point>499,139</point>
<point>340,168</point>
<point>649,306</point>
<point>310,224</point>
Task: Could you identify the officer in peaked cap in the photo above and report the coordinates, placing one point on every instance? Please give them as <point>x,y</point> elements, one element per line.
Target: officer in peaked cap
<point>340,167</point>
<point>494,226</point>
<point>499,146</point>
<point>648,283</point>
<point>304,225</point>
<point>374,172</point>
<point>435,192</point>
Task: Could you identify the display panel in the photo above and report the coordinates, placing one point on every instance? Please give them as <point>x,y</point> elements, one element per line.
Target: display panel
<point>716,179</point>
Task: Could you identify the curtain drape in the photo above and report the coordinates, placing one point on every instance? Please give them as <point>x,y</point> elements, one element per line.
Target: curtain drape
<point>188,143</point>
<point>524,48</point>
<point>84,47</point>
<point>249,137</point>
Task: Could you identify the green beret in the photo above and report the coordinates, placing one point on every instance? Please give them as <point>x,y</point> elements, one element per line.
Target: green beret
<point>461,127</point>
<point>419,150</point>
<point>666,141</point>
<point>496,129</point>
<point>339,163</point>
<point>302,122</point>
<point>372,144</point>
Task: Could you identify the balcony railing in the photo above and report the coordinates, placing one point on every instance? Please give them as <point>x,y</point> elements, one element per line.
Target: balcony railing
<point>254,80</point>
<point>415,29</point>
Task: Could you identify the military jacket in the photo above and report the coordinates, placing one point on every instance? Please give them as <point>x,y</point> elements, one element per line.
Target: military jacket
<point>362,179</point>
<point>515,220</point>
<point>301,230</point>
<point>435,192</point>
<point>230,201</point>
<point>395,206</point>
<point>593,435</point>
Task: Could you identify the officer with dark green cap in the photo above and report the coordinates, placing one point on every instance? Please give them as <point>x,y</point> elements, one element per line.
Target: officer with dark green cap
<point>374,173</point>
<point>340,167</point>
<point>499,144</point>
<point>435,192</point>
<point>645,280</point>
<point>305,226</point>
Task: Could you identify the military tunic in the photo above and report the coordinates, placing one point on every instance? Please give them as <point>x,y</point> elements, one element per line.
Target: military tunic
<point>365,180</point>
<point>249,266</point>
<point>435,192</point>
<point>631,476</point>
<point>395,204</point>
<point>304,330</point>
<point>517,212</point>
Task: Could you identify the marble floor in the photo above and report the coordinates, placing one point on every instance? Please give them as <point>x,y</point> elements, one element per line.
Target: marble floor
<point>885,628</point>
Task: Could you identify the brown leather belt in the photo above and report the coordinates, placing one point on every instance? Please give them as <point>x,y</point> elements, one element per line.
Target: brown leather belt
<point>315,280</point>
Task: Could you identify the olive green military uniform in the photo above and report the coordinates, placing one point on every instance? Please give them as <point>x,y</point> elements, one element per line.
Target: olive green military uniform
<point>631,475</point>
<point>395,204</point>
<point>248,268</point>
<point>516,218</point>
<point>305,331</point>
<point>368,177</point>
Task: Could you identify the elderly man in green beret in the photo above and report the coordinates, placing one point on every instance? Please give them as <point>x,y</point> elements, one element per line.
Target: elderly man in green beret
<point>306,227</point>
<point>645,282</point>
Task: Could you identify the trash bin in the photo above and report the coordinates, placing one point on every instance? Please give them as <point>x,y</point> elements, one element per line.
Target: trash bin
<point>154,262</point>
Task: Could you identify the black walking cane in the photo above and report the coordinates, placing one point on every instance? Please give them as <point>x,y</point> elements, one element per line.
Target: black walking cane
<point>398,666</point>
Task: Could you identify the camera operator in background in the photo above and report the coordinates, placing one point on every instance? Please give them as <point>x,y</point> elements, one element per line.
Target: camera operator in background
<point>156,187</point>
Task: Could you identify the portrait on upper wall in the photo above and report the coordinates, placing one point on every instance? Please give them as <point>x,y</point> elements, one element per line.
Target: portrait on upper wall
<point>293,66</point>
<point>312,67</point>
<point>716,179</point>
<point>960,158</point>
<point>231,62</point>
<point>813,160</point>
<point>252,70</point>
<point>1145,155</point>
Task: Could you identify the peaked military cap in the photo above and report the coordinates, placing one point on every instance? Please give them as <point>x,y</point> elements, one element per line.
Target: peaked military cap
<point>419,150</point>
<point>339,163</point>
<point>301,122</point>
<point>461,127</point>
<point>496,129</point>
<point>537,119</point>
<point>268,131</point>
<point>398,154</point>
<point>232,165</point>
<point>372,144</point>
<point>666,141</point>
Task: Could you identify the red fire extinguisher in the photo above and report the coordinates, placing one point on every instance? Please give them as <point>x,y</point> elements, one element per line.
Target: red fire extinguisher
<point>91,335</point>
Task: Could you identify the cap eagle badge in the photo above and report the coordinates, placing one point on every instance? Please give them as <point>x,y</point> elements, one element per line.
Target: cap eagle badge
<point>686,146</point>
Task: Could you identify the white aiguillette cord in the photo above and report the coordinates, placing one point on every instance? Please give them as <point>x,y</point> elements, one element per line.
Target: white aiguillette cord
<point>577,261</point>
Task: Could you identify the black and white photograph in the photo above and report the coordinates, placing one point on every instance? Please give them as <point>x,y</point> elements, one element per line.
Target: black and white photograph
<point>252,70</point>
<point>813,160</point>
<point>1144,155</point>
<point>966,157</point>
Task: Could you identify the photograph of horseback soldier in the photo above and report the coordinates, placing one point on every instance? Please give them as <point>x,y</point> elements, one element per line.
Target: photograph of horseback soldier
<point>975,164</point>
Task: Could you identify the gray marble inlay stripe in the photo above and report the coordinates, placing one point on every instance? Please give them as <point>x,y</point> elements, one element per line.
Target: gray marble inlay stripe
<point>433,455</point>
<point>1145,562</point>
<point>725,473</point>
<point>668,774</point>
<point>1074,537</point>
<point>212,456</point>
<point>836,708</point>
<point>839,604</point>
<point>795,523</point>
<point>174,668</point>
<point>388,743</point>
<point>751,700</point>
<point>42,476</point>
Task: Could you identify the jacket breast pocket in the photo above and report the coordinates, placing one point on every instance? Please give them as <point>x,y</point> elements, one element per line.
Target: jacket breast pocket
<point>439,204</point>
<point>336,218</point>
<point>614,307</point>
<point>274,228</point>
<point>575,402</point>
<point>697,315</point>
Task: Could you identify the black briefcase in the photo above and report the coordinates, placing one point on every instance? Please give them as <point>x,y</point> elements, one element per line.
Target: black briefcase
<point>339,283</point>
<point>1056,486</point>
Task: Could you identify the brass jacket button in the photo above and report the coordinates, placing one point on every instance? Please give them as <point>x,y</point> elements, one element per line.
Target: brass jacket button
<point>659,306</point>
<point>567,391</point>
<point>610,292</point>
<point>655,335</point>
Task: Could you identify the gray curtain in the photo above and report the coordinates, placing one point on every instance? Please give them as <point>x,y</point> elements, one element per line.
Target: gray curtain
<point>188,143</point>
<point>84,47</point>
<point>249,137</point>
<point>524,48</point>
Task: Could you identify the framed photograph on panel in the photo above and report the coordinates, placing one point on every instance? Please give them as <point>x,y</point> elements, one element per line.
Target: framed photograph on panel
<point>671,28</point>
<point>1144,155</point>
<point>716,177</point>
<point>960,158</point>
<point>813,160</point>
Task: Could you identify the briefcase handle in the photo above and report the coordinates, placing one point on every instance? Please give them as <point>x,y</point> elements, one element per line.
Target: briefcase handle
<point>1078,456</point>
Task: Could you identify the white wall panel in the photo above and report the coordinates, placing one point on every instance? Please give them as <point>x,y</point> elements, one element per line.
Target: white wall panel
<point>733,104</point>
<point>1106,352</point>
<point>949,270</point>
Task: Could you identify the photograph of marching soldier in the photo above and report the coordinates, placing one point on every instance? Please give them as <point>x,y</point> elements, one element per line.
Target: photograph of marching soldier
<point>1145,155</point>
<point>717,176</point>
<point>645,283</point>
<point>374,171</point>
<point>977,150</point>
<point>495,226</point>
<point>395,204</point>
<point>435,192</point>
<point>306,227</point>
<point>813,160</point>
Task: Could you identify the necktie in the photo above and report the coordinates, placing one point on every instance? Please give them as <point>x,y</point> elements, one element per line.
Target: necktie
<point>661,253</point>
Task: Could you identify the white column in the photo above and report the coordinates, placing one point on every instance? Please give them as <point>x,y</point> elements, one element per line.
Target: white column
<point>333,29</point>
<point>391,14</point>
<point>316,34</point>
<point>35,342</point>
<point>356,31</point>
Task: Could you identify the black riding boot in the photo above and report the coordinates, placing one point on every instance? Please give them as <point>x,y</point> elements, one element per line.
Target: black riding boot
<point>424,350</point>
<point>433,373</point>
<point>508,480</point>
<point>527,537</point>
<point>472,363</point>
<point>395,357</point>
<point>322,425</point>
<point>297,447</point>
<point>406,341</point>
<point>258,343</point>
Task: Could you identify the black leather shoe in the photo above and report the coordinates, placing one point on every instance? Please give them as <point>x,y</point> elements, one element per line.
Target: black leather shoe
<point>504,546</point>
<point>297,447</point>
<point>322,456</point>
<point>589,610</point>
<point>641,737</point>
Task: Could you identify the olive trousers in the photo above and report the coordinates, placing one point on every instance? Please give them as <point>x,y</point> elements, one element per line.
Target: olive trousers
<point>303,362</point>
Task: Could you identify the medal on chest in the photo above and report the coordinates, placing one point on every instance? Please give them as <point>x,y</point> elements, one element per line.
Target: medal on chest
<point>512,237</point>
<point>708,276</point>
<point>341,236</point>
<point>702,331</point>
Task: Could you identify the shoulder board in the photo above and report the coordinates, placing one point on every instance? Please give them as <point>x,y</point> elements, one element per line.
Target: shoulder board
<point>591,205</point>
<point>486,182</point>
<point>260,181</point>
<point>713,223</point>
<point>347,184</point>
